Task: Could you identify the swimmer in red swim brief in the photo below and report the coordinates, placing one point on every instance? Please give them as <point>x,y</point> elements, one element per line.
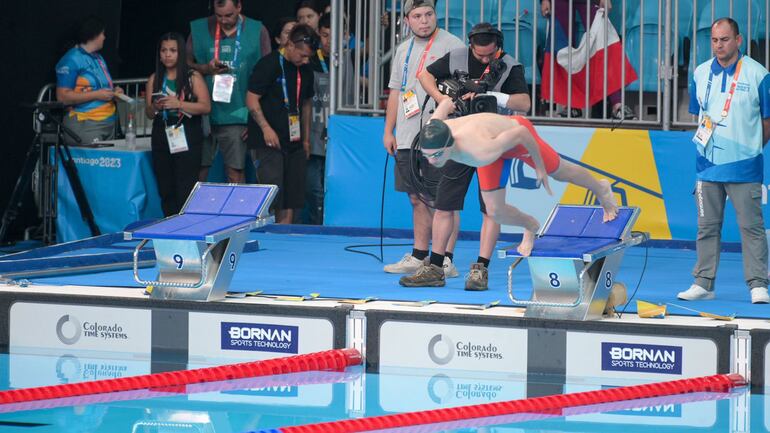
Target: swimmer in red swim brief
<point>490,141</point>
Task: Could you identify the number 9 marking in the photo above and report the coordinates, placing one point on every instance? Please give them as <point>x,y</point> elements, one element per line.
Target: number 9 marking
<point>232,261</point>
<point>179,260</point>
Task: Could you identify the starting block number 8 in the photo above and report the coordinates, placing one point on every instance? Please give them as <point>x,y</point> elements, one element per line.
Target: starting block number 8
<point>608,279</point>
<point>179,260</point>
<point>554,277</point>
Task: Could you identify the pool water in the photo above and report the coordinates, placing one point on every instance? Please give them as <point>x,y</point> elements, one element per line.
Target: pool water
<point>305,398</point>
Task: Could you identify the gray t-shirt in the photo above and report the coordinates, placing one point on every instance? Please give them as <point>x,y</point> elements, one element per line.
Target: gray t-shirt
<point>406,129</point>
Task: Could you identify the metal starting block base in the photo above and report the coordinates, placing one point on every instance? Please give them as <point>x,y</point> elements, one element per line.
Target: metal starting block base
<point>575,261</point>
<point>198,250</point>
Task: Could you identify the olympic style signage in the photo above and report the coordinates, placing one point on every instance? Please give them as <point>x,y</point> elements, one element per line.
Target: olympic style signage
<point>104,329</point>
<point>223,336</point>
<point>651,357</point>
<point>453,347</point>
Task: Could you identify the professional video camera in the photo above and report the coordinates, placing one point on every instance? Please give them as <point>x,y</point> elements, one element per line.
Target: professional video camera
<point>461,84</point>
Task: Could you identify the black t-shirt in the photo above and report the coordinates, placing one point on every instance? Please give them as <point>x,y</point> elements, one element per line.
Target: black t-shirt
<point>265,81</point>
<point>515,83</point>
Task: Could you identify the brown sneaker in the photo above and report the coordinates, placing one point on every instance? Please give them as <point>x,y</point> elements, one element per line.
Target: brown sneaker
<point>426,276</point>
<point>478,278</point>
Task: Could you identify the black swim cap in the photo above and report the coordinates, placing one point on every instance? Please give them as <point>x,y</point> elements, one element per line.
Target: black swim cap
<point>436,135</point>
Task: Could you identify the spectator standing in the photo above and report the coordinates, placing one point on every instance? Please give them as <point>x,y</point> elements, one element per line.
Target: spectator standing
<point>279,100</point>
<point>404,114</point>
<point>730,93</point>
<point>84,82</point>
<point>224,48</point>
<point>312,213</point>
<point>177,97</point>
<point>282,30</point>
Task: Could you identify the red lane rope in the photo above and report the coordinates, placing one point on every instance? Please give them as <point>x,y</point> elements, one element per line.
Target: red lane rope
<point>328,360</point>
<point>552,405</point>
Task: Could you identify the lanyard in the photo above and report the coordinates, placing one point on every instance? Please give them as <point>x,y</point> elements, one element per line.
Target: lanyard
<point>217,42</point>
<point>730,93</point>
<point>179,95</point>
<point>323,61</point>
<point>422,60</point>
<point>283,84</point>
<point>486,71</point>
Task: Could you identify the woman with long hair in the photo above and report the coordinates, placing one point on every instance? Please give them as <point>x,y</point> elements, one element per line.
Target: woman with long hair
<point>176,97</point>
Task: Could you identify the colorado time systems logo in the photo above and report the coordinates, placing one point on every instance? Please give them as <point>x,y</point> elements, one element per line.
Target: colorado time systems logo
<point>260,337</point>
<point>646,358</point>
<point>71,334</point>
<point>69,330</point>
<point>441,350</point>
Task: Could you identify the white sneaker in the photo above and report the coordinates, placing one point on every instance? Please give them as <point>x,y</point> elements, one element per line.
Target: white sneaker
<point>408,264</point>
<point>696,293</point>
<point>759,295</point>
<point>450,271</point>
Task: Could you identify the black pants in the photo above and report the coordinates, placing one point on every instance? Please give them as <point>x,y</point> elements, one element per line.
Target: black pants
<point>177,173</point>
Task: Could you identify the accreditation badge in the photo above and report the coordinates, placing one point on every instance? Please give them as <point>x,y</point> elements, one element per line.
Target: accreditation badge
<point>411,104</point>
<point>223,88</point>
<point>177,141</point>
<point>704,131</point>
<point>294,129</point>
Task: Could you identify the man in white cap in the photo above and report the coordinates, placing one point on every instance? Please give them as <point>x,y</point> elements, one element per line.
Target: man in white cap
<point>405,114</point>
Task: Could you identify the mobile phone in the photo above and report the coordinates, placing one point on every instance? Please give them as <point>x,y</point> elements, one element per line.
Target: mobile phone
<point>158,95</point>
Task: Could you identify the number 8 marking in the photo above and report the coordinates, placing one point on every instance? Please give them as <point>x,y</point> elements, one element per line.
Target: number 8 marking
<point>554,279</point>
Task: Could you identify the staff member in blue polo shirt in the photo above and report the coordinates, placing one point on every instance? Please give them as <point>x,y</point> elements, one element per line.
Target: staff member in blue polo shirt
<point>730,95</point>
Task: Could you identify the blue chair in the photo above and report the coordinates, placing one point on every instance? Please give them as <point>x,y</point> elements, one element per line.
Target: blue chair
<point>575,261</point>
<point>455,18</point>
<point>740,14</point>
<point>198,249</point>
<point>508,16</point>
<point>642,52</point>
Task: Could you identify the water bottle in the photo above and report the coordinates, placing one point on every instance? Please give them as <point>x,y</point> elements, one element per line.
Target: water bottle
<point>130,133</point>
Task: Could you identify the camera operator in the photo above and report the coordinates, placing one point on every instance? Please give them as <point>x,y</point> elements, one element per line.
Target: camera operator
<point>484,61</point>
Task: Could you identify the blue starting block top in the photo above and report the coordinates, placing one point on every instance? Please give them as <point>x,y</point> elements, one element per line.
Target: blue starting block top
<point>212,209</point>
<point>573,231</point>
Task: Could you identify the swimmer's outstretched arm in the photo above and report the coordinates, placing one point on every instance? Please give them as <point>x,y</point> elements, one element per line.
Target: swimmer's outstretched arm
<point>444,109</point>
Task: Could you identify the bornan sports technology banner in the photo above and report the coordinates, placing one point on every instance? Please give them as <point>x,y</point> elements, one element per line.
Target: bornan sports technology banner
<point>654,170</point>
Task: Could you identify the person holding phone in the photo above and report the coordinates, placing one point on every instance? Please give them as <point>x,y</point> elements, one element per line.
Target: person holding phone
<point>224,49</point>
<point>179,98</point>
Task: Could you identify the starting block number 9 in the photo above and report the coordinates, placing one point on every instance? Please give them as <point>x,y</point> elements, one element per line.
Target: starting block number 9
<point>554,277</point>
<point>179,260</point>
<point>232,261</point>
<point>608,279</point>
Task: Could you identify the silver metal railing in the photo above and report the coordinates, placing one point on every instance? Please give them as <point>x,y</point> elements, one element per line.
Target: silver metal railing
<point>663,40</point>
<point>133,87</point>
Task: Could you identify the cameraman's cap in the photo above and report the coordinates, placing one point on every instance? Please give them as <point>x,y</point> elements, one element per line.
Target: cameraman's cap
<point>436,135</point>
<point>411,5</point>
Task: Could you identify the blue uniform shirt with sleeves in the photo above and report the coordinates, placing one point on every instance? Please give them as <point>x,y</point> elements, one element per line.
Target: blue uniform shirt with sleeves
<point>734,152</point>
<point>82,72</point>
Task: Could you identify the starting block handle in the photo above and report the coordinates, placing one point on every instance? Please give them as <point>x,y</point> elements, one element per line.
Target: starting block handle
<point>522,302</point>
<point>204,270</point>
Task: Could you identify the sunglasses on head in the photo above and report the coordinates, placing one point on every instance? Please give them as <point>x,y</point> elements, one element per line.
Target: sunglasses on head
<point>307,40</point>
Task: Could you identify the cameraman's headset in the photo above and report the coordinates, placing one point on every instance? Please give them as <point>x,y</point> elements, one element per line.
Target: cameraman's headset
<point>486,29</point>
